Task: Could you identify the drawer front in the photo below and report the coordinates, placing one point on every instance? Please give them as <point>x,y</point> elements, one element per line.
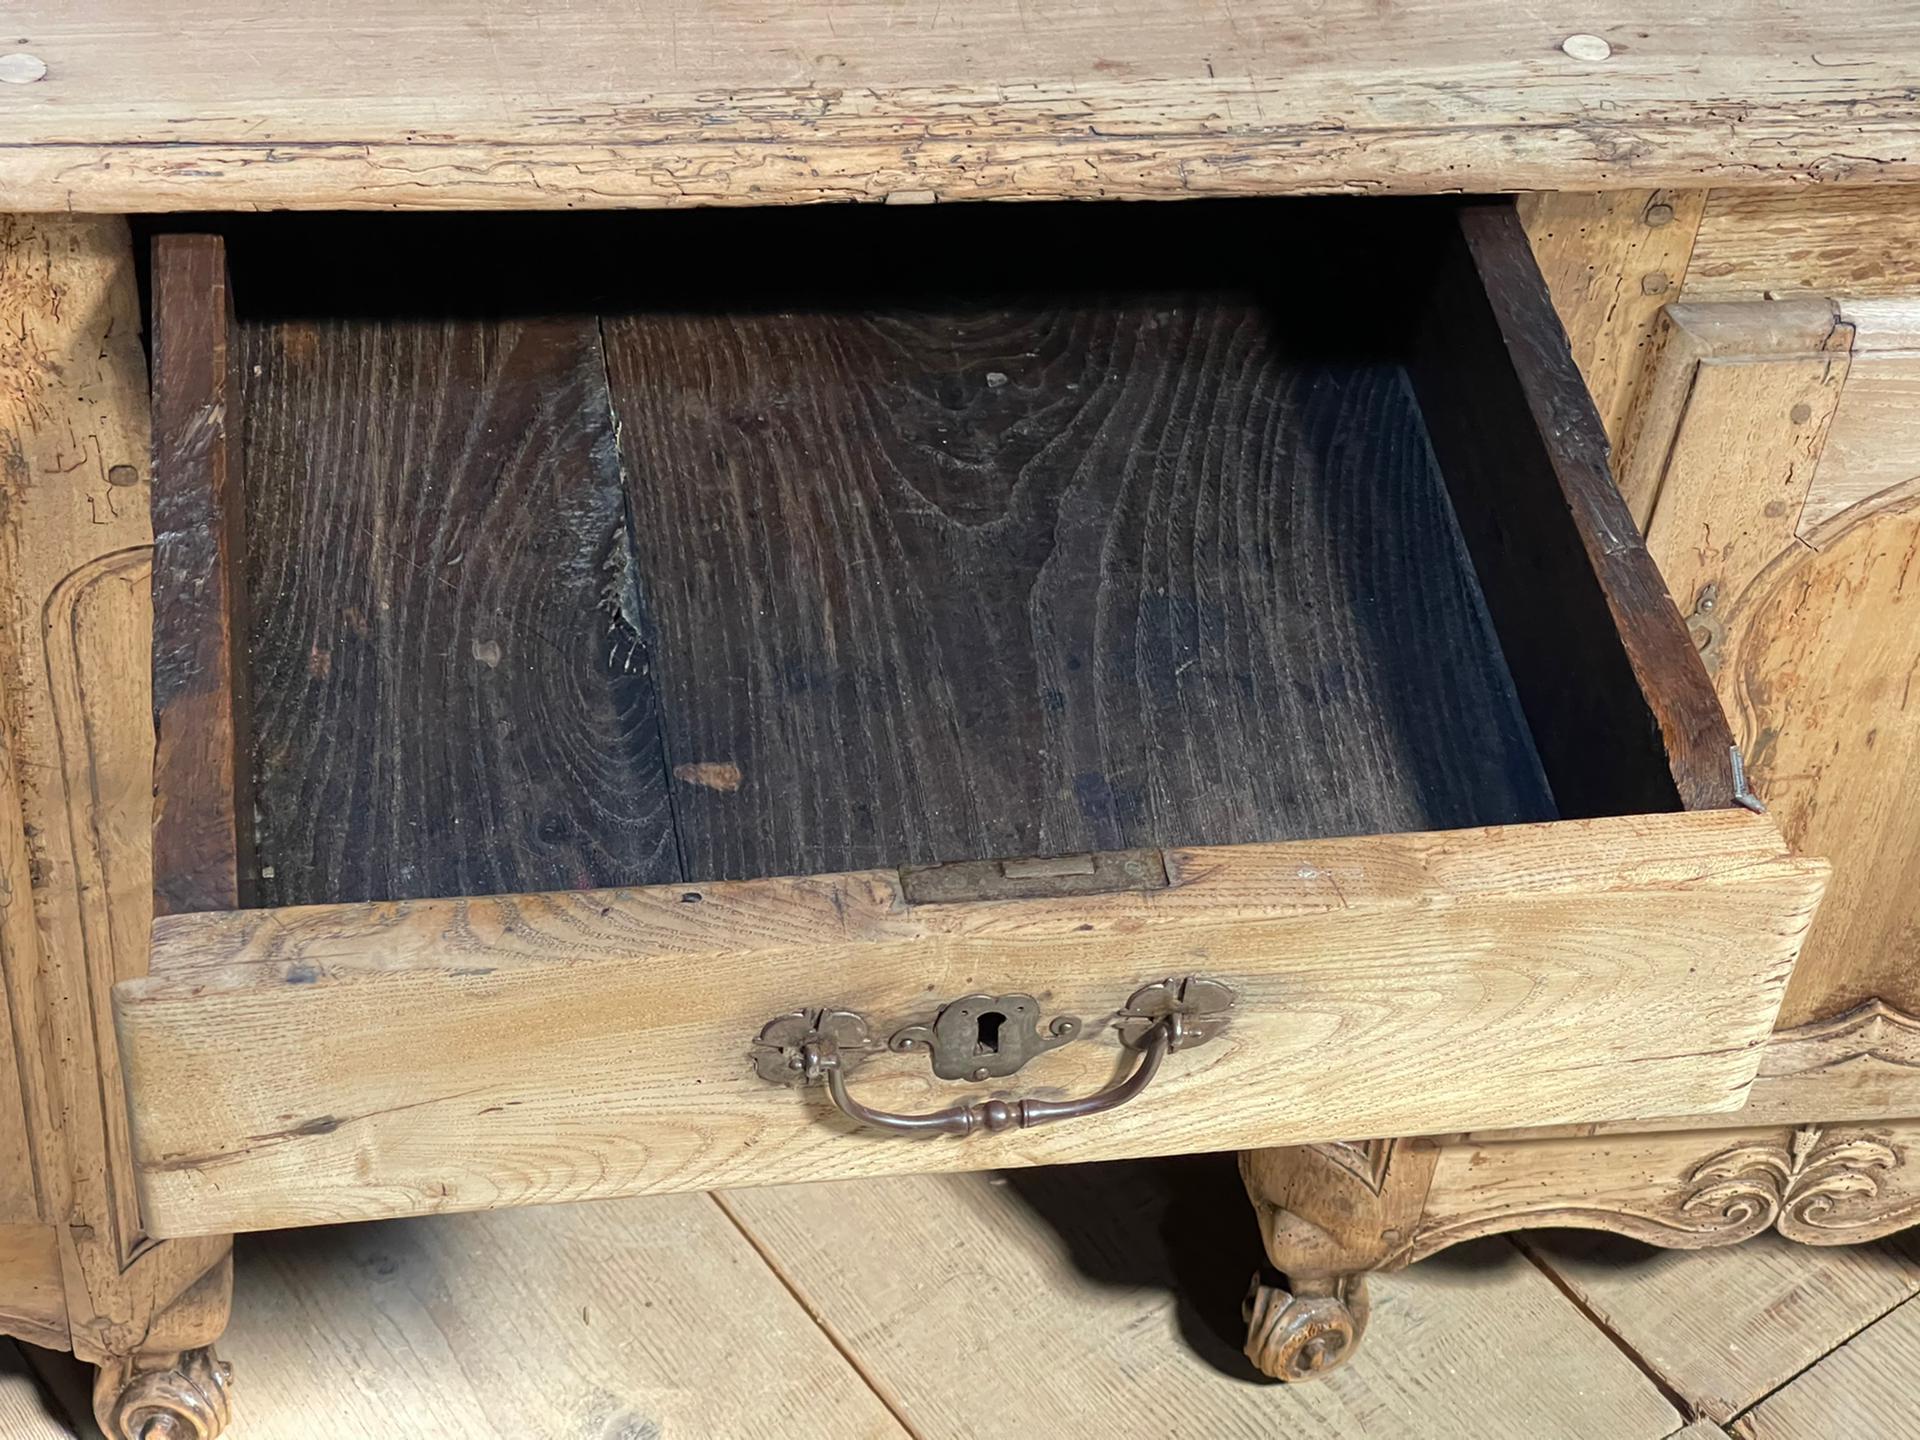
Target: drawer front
<point>333,1063</point>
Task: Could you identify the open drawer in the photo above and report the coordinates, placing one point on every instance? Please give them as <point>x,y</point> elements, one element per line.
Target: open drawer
<point>1197,645</point>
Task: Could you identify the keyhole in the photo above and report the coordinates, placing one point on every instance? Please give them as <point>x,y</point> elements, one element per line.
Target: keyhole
<point>988,1033</point>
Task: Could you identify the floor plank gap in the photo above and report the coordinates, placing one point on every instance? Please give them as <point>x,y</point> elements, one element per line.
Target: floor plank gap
<point>1659,1382</point>
<point>1837,1346</point>
<point>1727,1325</point>
<point>771,1259</point>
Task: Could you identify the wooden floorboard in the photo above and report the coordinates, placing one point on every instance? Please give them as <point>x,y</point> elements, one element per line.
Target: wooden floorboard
<point>599,1322</point>
<point>449,697</point>
<point>1072,1302</point>
<point>1103,1300</point>
<point>1869,1387</point>
<point>27,1411</point>
<point>1724,1327</point>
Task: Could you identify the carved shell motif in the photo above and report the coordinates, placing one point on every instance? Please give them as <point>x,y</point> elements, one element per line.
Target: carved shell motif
<point>1802,1188</point>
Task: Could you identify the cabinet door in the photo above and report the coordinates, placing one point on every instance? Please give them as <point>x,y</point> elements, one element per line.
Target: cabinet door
<point>1774,460</point>
<point>76,785</point>
<point>1766,441</point>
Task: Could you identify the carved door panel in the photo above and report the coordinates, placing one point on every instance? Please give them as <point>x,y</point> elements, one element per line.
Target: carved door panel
<point>1773,459</point>
<point>76,786</point>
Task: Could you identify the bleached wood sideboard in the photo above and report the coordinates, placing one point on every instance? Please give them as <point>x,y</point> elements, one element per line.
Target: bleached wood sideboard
<point>1576,922</point>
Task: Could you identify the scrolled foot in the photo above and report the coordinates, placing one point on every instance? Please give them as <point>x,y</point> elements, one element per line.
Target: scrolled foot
<point>1307,1331</point>
<point>179,1397</point>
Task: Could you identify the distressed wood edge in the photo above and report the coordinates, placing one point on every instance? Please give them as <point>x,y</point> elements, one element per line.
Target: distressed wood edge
<point>1693,333</point>
<point>1162,137</point>
<point>1595,250</point>
<point>86,377</point>
<point>195,953</point>
<point>1875,1032</point>
<point>33,1300</point>
<point>22,971</point>
<point>203,815</point>
<point>1678,690</point>
<point>1382,1205</point>
<point>202,795</point>
<point>1816,1184</point>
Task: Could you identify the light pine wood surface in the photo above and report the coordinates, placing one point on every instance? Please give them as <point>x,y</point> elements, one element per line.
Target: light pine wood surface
<point>76,729</point>
<point>1865,1387</point>
<point>1123,1325</point>
<point>1851,242</point>
<point>1723,1326</point>
<point>1613,260</point>
<point>1772,456</point>
<point>27,1412</point>
<point>537,103</point>
<point>1092,1300</point>
<point>1795,586</point>
<point>1513,975</point>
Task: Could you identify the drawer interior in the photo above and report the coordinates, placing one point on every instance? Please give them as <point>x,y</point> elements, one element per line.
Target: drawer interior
<point>691,547</point>
<point>593,574</point>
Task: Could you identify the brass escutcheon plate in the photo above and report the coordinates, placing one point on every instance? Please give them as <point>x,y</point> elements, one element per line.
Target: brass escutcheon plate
<point>983,1037</point>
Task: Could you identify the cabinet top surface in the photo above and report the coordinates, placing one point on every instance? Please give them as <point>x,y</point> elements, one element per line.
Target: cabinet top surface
<point>546,104</point>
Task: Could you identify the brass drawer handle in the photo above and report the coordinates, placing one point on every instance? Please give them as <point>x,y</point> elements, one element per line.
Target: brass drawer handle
<point>983,1036</point>
<point>999,1114</point>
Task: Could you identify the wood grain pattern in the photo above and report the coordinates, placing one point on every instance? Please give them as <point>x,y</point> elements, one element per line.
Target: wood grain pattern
<point>540,104</point>
<point>1820,661</point>
<point>25,1412</point>
<point>1686,336</point>
<point>1107,1300</point>
<point>1842,1184</point>
<point>1738,472</point>
<point>33,1298</point>
<point>331,1062</point>
<point>1874,442</point>
<point>202,780</point>
<point>1863,1388</point>
<point>1848,242</point>
<point>1624,716</point>
<point>1787,1304</point>
<point>1805,624</point>
<point>1860,1065</point>
<point>25,1126</point>
<point>945,578</point>
<point>1339,1207</point>
<point>75,641</point>
<point>1612,259</point>
<point>449,695</point>
<point>1857,1065</point>
<point>650,1318</point>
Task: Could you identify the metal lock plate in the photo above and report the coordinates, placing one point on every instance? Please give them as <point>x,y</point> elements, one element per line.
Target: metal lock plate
<point>982,1037</point>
